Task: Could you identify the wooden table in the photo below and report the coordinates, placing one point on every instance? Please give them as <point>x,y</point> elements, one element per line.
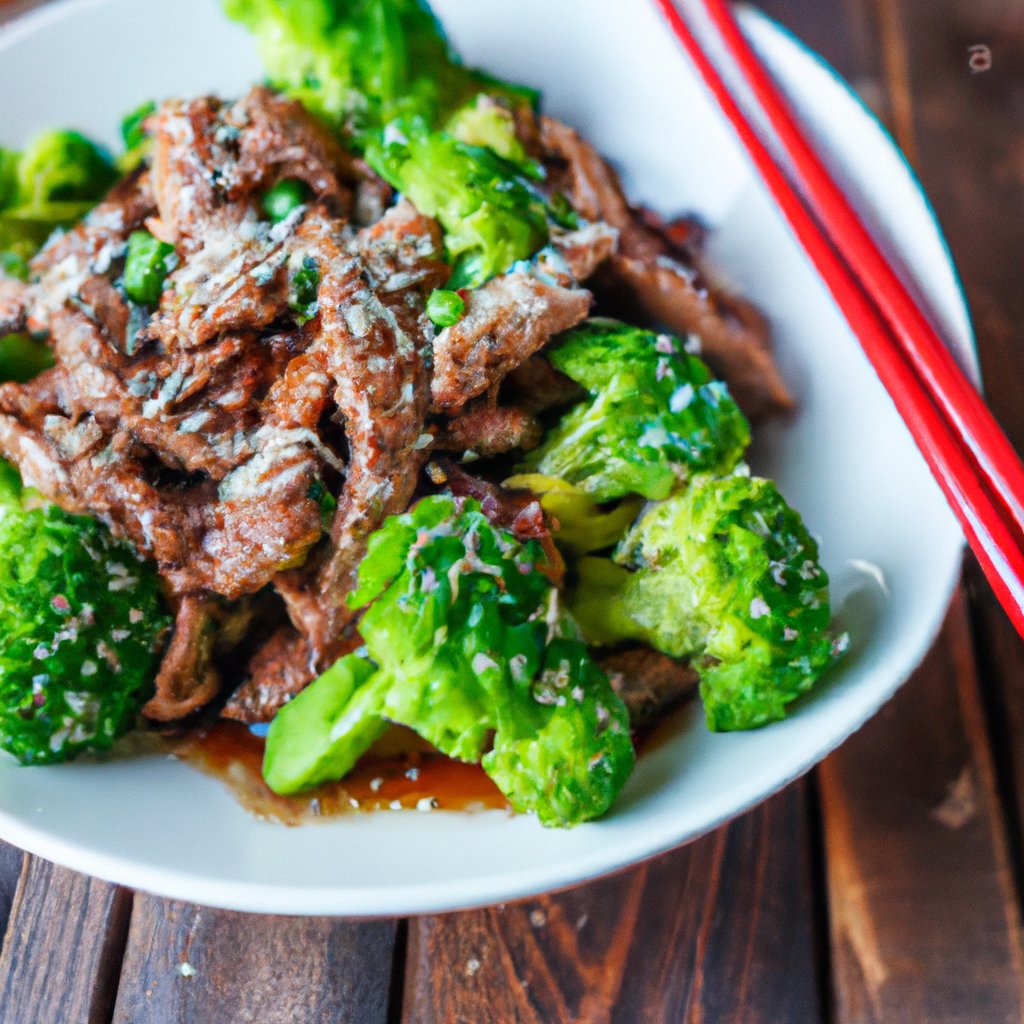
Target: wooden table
<point>882,887</point>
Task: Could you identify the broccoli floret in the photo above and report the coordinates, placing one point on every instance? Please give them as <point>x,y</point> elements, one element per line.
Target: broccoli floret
<point>137,144</point>
<point>318,736</point>
<point>8,176</point>
<point>727,574</point>
<point>82,623</point>
<point>491,214</point>
<point>360,63</point>
<point>473,653</point>
<point>61,166</point>
<point>485,123</point>
<point>21,359</point>
<point>58,178</point>
<point>655,416</point>
<point>583,525</point>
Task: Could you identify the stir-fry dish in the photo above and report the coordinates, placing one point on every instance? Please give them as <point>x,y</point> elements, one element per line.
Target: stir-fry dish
<point>322,413</point>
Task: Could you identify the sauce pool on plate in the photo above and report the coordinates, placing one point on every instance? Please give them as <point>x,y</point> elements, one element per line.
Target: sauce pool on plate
<point>400,772</point>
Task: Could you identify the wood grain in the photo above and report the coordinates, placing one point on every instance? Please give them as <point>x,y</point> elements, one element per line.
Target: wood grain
<point>12,860</point>
<point>189,963</point>
<point>721,930</point>
<point>923,912</point>
<point>64,942</point>
<point>971,146</point>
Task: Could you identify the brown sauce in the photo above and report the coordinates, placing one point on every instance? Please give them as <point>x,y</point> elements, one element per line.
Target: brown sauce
<point>400,772</point>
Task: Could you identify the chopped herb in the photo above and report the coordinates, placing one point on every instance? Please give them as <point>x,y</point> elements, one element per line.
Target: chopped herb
<point>305,284</point>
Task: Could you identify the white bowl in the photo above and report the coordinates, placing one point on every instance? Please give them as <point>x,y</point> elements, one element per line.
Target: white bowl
<point>846,460</point>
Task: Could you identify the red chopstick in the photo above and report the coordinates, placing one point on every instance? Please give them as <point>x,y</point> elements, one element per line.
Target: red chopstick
<point>970,457</point>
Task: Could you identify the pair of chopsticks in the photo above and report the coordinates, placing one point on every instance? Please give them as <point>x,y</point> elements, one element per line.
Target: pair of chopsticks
<point>968,454</point>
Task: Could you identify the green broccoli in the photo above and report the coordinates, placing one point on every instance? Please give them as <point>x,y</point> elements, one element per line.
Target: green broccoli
<point>8,176</point>
<point>82,623</point>
<point>727,574</point>
<point>58,178</point>
<point>137,144</point>
<point>473,653</point>
<point>583,525</point>
<point>61,166</point>
<point>655,415</point>
<point>361,63</point>
<point>21,359</point>
<point>491,214</point>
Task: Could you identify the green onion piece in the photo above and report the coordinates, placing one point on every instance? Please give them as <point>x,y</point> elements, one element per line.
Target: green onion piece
<point>284,197</point>
<point>149,262</point>
<point>561,212</point>
<point>445,308</point>
<point>305,284</point>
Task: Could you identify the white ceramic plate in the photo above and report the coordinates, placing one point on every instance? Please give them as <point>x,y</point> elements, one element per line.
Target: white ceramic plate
<point>845,460</point>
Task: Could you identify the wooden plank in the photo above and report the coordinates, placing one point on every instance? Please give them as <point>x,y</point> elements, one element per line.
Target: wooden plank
<point>60,961</point>
<point>190,963</point>
<point>12,860</point>
<point>971,145</point>
<point>721,930</point>
<point>923,912</point>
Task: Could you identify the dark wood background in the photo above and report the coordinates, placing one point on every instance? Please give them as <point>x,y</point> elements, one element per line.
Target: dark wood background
<point>884,887</point>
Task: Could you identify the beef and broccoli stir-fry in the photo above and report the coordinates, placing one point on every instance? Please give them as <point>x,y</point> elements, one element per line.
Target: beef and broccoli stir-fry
<point>316,426</point>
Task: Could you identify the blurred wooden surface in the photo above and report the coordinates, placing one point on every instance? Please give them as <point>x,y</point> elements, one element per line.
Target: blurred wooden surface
<point>882,888</point>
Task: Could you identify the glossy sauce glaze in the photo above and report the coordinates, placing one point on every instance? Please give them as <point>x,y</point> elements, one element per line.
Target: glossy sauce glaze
<point>400,772</point>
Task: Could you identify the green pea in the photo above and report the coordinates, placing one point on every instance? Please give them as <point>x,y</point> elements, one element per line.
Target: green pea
<point>149,261</point>
<point>284,197</point>
<point>445,308</point>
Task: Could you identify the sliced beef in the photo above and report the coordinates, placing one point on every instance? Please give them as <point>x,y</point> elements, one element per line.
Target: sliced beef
<point>14,300</point>
<point>535,386</point>
<point>187,679</point>
<point>486,430</point>
<point>649,683</point>
<point>653,272</point>
<point>507,321</point>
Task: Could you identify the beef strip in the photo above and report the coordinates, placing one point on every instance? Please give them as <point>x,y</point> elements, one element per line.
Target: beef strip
<point>486,430</point>
<point>535,386</point>
<point>652,272</point>
<point>649,683</point>
<point>90,249</point>
<point>370,360</point>
<point>14,300</point>
<point>507,321</point>
<point>372,347</point>
<point>187,679</point>
<point>515,315</point>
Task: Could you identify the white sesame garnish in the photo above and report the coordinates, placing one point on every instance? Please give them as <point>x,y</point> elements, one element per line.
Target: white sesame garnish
<point>186,970</point>
<point>790,634</point>
<point>135,616</point>
<point>375,784</point>
<point>538,918</point>
<point>395,805</point>
<point>759,608</point>
<point>89,667</point>
<point>412,773</point>
<point>472,966</point>
<point>427,803</point>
